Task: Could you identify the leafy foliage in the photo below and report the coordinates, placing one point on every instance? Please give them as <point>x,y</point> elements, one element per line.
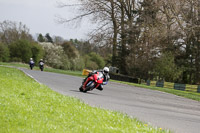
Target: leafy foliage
<point>96,58</point>
<point>23,50</point>
<point>54,56</point>
<point>40,38</point>
<point>90,64</point>
<point>20,50</point>
<point>70,50</point>
<point>4,53</point>
<point>37,52</point>
<point>48,37</point>
<point>166,67</point>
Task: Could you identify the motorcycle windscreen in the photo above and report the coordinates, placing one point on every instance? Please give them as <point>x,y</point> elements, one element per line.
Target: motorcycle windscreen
<point>100,78</point>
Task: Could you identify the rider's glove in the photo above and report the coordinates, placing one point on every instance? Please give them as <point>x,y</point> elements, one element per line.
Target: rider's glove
<point>105,83</point>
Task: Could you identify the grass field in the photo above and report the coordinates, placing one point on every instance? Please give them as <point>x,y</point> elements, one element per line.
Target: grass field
<point>27,106</point>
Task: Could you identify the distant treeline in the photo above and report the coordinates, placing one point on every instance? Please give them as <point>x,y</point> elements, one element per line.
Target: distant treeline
<point>18,45</point>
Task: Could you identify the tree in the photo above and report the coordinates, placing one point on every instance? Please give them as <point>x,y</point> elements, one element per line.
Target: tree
<point>20,51</point>
<point>167,69</point>
<point>37,52</point>
<point>97,59</point>
<point>58,40</point>
<point>70,50</point>
<point>40,38</point>
<point>55,56</point>
<point>4,53</point>
<point>48,37</point>
<point>100,12</point>
<point>11,31</point>
<point>139,31</point>
<point>185,15</point>
<point>90,64</point>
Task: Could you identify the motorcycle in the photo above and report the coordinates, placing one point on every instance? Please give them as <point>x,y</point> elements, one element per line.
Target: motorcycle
<point>92,82</point>
<point>41,66</point>
<point>31,64</point>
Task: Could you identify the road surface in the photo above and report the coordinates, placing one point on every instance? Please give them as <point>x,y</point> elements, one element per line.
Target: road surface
<point>159,109</point>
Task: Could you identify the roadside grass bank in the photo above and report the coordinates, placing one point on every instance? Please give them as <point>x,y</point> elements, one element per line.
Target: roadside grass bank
<point>15,64</point>
<point>46,68</point>
<point>186,94</point>
<point>27,106</point>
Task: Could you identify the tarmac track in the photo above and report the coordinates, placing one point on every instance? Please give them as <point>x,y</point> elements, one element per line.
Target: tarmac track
<point>159,109</point>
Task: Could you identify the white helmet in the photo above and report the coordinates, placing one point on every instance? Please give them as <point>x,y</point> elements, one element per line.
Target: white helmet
<point>106,70</point>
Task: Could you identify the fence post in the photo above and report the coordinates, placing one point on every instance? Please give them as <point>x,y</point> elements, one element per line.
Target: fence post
<point>179,86</point>
<point>160,84</point>
<point>198,89</point>
<point>148,82</point>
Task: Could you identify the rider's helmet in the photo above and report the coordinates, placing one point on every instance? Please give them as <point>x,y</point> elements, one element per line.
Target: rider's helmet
<point>106,70</point>
<point>31,58</point>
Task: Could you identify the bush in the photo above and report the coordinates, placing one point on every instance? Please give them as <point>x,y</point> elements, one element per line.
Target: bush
<point>97,59</point>
<point>70,50</point>
<point>166,67</point>
<point>21,49</point>
<point>90,64</point>
<point>4,53</point>
<point>54,56</point>
<point>77,64</point>
<point>16,59</point>
<point>37,52</point>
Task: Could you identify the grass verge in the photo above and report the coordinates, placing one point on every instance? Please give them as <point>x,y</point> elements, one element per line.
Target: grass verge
<point>27,106</point>
<point>48,69</point>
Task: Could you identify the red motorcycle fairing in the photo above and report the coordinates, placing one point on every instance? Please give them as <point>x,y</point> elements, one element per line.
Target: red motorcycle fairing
<point>97,78</point>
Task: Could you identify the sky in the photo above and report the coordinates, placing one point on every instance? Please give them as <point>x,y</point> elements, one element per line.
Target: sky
<point>40,17</point>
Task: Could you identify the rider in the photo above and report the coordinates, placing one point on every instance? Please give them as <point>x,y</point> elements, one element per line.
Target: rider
<point>106,76</point>
<point>31,63</point>
<point>41,64</point>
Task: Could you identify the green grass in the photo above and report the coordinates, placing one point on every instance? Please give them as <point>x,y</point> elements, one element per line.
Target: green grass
<point>68,72</point>
<point>15,64</point>
<point>47,69</point>
<point>27,106</point>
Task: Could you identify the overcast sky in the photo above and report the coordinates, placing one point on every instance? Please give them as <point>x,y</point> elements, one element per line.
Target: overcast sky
<point>40,17</point>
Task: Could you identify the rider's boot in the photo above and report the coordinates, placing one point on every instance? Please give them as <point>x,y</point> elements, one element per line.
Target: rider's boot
<point>100,87</point>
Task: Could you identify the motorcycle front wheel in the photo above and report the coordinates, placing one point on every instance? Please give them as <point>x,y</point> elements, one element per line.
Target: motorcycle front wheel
<point>90,86</point>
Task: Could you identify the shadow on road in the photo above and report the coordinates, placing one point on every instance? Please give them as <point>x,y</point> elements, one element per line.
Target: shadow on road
<point>88,93</point>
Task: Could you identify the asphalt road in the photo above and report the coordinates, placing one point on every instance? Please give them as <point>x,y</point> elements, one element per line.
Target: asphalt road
<point>159,109</point>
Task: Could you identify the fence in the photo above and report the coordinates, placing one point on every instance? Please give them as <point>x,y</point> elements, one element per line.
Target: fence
<point>176,86</point>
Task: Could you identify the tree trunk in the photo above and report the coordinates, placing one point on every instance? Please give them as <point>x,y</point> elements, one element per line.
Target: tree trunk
<point>114,55</point>
<point>123,43</point>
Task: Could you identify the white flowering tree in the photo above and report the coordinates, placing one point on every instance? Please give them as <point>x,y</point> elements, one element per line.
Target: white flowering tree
<point>55,56</point>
